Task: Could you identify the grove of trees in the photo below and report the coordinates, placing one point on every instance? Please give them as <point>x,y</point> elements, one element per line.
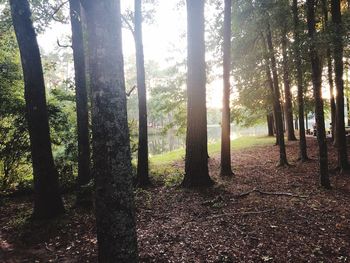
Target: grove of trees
<point>278,60</point>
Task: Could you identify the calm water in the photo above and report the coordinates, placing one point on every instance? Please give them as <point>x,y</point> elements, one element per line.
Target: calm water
<point>159,143</point>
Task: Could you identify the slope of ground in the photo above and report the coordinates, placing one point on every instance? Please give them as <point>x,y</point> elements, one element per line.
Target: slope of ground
<point>262,214</point>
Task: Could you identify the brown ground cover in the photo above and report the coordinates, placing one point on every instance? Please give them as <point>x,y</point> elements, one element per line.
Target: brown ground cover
<point>262,214</point>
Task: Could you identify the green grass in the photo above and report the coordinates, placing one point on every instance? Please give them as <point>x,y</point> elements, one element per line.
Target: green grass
<point>213,148</point>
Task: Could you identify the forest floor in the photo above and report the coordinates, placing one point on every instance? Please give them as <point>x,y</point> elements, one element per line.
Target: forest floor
<point>287,218</point>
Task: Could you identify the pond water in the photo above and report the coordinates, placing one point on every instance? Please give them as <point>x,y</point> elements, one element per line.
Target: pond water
<point>159,143</point>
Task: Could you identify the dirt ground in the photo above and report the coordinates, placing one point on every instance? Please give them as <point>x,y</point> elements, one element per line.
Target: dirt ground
<point>262,214</point>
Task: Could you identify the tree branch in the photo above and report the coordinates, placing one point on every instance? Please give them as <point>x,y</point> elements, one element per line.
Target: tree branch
<point>130,91</point>
<point>64,46</point>
<point>269,193</point>
<point>129,26</point>
<point>57,9</point>
<point>241,213</point>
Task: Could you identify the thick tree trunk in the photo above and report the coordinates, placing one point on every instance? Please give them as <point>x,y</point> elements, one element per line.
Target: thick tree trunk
<point>142,160</point>
<point>47,198</point>
<point>288,107</point>
<point>302,138</point>
<point>115,210</point>
<point>84,174</point>
<point>226,169</point>
<point>338,69</point>
<point>269,119</point>
<point>196,162</point>
<point>316,80</point>
<point>279,123</point>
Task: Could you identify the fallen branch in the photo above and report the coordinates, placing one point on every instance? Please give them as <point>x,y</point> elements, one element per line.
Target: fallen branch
<point>241,213</point>
<point>268,193</point>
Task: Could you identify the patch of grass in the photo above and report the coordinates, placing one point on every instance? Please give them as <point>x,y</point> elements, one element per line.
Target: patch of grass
<point>213,148</point>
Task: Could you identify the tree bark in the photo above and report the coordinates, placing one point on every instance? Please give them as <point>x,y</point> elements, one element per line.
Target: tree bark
<point>226,169</point>
<point>338,69</point>
<point>115,210</point>
<point>316,81</point>
<point>288,107</point>
<point>269,118</point>
<point>298,63</point>
<point>142,160</point>
<point>47,198</point>
<point>330,72</point>
<point>279,123</point>
<point>196,161</point>
<point>84,174</point>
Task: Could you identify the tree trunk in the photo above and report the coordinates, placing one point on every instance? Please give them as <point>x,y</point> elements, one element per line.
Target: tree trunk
<point>47,198</point>
<point>348,111</point>
<point>330,72</point>
<point>296,123</point>
<point>142,160</point>
<point>331,91</point>
<point>226,169</point>
<point>270,84</point>
<point>288,108</point>
<point>279,123</point>
<point>316,80</point>
<point>84,174</point>
<point>306,122</point>
<point>302,138</point>
<point>115,210</point>
<point>196,161</point>
<point>269,118</point>
<point>338,69</point>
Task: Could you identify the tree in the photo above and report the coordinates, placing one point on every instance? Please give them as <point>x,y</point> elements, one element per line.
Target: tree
<point>288,107</point>
<point>84,174</point>
<point>338,69</point>
<point>115,211</point>
<point>269,118</point>
<point>330,70</point>
<point>142,154</point>
<point>276,97</point>
<point>316,81</point>
<point>47,198</point>
<point>226,169</point>
<point>298,64</point>
<point>196,160</point>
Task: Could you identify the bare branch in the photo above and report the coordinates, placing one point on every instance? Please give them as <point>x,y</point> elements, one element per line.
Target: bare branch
<point>268,193</point>
<point>64,46</point>
<point>129,26</point>
<point>130,91</point>
<point>57,9</point>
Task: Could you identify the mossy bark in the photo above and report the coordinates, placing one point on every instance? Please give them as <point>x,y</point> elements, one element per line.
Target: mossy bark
<point>115,210</point>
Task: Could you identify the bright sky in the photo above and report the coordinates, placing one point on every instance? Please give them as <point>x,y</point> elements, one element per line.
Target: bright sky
<point>161,39</point>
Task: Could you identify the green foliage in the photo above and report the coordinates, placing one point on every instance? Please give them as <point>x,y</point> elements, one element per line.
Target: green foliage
<point>14,142</point>
<point>62,119</point>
